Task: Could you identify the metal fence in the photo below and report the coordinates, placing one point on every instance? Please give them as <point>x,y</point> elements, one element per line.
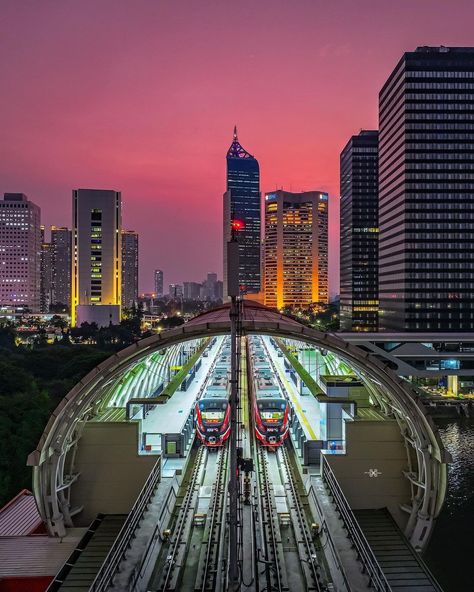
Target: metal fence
<point>364,551</point>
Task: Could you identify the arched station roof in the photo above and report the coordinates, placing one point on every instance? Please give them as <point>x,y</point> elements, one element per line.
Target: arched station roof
<point>392,394</point>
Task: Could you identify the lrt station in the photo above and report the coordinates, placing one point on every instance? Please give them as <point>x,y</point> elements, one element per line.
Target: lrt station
<point>240,451</point>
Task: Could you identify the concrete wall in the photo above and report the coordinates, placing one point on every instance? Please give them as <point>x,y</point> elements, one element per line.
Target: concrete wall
<point>373,445</point>
<point>111,471</point>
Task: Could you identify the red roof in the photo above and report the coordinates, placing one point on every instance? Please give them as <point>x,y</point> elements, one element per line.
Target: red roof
<point>20,516</point>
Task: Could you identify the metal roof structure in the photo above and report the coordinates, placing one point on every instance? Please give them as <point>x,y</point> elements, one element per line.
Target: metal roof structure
<point>20,516</point>
<point>426,457</point>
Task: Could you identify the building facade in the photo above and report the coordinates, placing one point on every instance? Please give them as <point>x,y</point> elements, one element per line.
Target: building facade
<point>61,264</point>
<point>175,291</point>
<point>426,192</point>
<point>20,252</point>
<point>359,233</point>
<point>129,268</point>
<point>242,202</point>
<point>158,278</point>
<point>192,290</point>
<point>296,249</point>
<point>97,252</point>
<point>46,275</point>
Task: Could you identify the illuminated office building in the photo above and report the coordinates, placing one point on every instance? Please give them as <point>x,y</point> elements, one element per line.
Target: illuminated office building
<point>359,233</point>
<point>426,192</point>
<point>129,268</point>
<point>61,265</point>
<point>20,252</point>
<point>242,202</point>
<point>296,248</point>
<point>97,256</point>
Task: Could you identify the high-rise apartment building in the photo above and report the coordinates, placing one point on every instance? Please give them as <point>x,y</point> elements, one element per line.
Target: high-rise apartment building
<point>97,256</point>
<point>158,277</point>
<point>61,265</point>
<point>359,233</point>
<point>175,291</point>
<point>192,290</point>
<point>426,192</point>
<point>296,248</point>
<point>46,274</point>
<point>242,202</point>
<point>129,268</point>
<point>20,252</point>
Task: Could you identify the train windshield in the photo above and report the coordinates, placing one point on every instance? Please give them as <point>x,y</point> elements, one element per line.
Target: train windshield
<point>272,410</point>
<point>213,410</point>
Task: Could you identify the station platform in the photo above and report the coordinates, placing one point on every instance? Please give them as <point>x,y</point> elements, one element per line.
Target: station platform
<point>306,407</point>
<point>176,415</point>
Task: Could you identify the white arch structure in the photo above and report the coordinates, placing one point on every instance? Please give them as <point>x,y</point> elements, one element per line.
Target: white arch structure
<point>53,460</point>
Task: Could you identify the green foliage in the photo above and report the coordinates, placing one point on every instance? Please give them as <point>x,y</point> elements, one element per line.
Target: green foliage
<point>32,382</point>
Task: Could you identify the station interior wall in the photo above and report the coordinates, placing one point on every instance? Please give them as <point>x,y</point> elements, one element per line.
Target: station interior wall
<point>374,445</point>
<point>112,473</point>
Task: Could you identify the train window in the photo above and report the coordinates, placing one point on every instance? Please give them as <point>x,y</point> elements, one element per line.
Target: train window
<point>212,405</point>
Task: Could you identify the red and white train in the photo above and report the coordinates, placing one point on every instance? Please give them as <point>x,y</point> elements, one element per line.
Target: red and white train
<point>212,410</point>
<point>270,408</point>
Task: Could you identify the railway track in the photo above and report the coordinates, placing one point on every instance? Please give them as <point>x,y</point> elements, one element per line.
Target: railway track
<point>287,550</point>
<point>306,548</point>
<point>182,528</point>
<point>271,554</point>
<point>211,561</point>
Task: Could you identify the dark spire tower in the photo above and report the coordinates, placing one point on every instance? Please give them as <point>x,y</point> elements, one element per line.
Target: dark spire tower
<point>242,202</point>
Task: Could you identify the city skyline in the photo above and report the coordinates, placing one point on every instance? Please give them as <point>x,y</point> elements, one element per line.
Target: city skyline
<point>91,124</point>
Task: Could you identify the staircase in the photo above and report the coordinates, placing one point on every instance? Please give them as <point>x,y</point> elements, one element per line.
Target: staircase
<point>402,565</point>
<point>83,565</point>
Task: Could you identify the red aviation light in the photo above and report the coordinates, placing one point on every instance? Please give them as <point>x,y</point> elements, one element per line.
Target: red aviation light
<point>237,225</point>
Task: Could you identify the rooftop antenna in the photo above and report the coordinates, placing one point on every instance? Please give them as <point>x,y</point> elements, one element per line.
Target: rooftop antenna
<point>235,134</point>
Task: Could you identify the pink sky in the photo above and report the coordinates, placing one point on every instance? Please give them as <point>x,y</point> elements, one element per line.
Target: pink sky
<point>142,97</point>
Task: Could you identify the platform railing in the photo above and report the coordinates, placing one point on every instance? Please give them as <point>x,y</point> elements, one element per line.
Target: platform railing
<point>117,552</point>
<point>364,551</point>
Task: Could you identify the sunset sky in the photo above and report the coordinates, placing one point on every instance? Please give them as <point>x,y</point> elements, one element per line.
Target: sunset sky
<point>141,96</point>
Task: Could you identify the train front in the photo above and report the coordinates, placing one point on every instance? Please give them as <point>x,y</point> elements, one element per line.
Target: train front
<point>213,421</point>
<point>271,420</point>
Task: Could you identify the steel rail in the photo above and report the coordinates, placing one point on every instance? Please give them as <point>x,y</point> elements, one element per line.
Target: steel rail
<point>268,515</point>
<point>183,523</point>
<point>207,580</point>
<point>309,563</point>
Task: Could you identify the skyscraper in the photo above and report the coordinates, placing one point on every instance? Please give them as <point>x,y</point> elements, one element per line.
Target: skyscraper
<point>97,255</point>
<point>359,233</point>
<point>46,275</point>
<point>426,192</point>
<point>242,202</point>
<point>158,283</point>
<point>296,248</point>
<point>61,275</point>
<point>191,290</point>
<point>175,291</point>
<point>129,268</point>
<point>20,252</point>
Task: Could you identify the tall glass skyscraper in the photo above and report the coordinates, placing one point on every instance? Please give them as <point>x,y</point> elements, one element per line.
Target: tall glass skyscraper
<point>426,192</point>
<point>359,233</point>
<point>242,202</point>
